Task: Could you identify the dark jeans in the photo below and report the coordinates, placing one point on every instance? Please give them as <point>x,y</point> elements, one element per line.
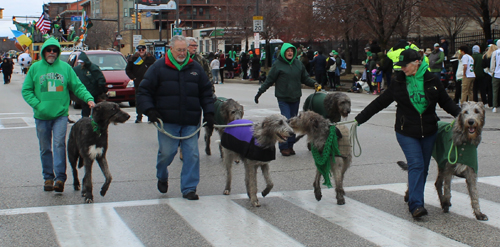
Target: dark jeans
<point>245,69</point>
<point>488,89</point>
<point>321,77</point>
<point>289,110</point>
<point>479,87</point>
<point>418,153</point>
<point>6,78</point>
<point>458,90</point>
<point>331,79</point>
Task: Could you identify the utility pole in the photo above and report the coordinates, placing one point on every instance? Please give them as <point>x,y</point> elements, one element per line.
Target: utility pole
<point>118,20</point>
<point>136,13</point>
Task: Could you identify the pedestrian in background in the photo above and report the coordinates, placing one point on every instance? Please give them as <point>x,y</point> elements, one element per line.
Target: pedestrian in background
<point>91,76</point>
<point>287,74</point>
<point>137,66</point>
<point>46,89</point>
<point>495,82</point>
<point>488,72</point>
<point>436,59</point>
<point>416,92</point>
<point>176,90</point>
<point>214,65</point>
<point>7,68</point>
<point>479,84</point>
<point>468,76</point>
<point>222,62</point>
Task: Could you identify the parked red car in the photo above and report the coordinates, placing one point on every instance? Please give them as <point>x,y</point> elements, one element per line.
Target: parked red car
<point>112,65</point>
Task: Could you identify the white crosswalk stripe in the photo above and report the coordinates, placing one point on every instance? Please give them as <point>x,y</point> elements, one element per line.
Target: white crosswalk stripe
<point>223,222</point>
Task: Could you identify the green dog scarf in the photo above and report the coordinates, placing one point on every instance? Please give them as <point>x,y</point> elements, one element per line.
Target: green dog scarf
<point>322,160</point>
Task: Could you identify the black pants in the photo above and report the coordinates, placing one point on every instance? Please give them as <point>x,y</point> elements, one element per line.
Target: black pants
<point>245,69</point>
<point>255,73</point>
<point>221,73</point>
<point>479,87</point>
<point>331,79</point>
<point>139,113</point>
<point>458,91</point>
<point>321,77</point>
<point>488,89</point>
<point>6,78</point>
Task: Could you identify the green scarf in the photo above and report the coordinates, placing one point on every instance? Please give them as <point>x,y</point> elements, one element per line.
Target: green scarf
<point>322,161</point>
<point>415,87</point>
<point>175,63</point>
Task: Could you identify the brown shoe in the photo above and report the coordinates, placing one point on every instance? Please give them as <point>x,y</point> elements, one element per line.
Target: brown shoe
<point>59,187</point>
<point>285,152</point>
<point>48,185</point>
<point>292,152</point>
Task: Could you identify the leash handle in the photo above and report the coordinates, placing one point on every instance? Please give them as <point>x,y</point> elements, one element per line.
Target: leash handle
<point>449,154</point>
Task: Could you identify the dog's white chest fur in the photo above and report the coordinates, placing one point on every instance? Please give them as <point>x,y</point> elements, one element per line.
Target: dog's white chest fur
<point>95,151</point>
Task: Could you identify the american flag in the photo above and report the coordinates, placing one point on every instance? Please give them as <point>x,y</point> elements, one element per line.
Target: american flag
<point>42,24</point>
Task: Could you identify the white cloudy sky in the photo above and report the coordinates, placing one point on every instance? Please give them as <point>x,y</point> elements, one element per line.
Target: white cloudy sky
<point>20,8</point>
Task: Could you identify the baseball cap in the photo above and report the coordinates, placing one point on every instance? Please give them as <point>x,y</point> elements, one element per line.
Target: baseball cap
<point>407,56</point>
<point>436,45</point>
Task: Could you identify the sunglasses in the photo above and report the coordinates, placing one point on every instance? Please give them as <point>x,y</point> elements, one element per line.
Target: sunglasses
<point>141,49</point>
<point>55,50</point>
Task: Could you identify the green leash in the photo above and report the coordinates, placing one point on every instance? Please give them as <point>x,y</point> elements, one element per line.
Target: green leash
<point>322,161</point>
<point>447,129</point>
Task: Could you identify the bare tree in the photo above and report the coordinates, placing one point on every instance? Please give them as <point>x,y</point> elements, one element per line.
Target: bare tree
<point>273,24</point>
<point>483,12</point>
<point>101,35</point>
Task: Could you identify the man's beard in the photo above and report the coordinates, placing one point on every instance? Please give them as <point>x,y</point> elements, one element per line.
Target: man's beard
<point>180,60</point>
<point>51,59</point>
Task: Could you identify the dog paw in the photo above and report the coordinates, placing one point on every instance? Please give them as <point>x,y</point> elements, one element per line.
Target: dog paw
<point>318,196</point>
<point>256,204</point>
<point>89,200</point>
<point>227,192</point>
<point>340,201</point>
<point>481,216</point>
<point>266,192</point>
<point>76,187</point>
<point>208,151</point>
<point>103,192</point>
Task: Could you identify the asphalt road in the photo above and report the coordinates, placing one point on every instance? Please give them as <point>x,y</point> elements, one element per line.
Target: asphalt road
<point>134,213</point>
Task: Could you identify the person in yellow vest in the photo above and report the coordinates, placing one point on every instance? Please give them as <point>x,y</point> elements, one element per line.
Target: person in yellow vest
<point>395,51</point>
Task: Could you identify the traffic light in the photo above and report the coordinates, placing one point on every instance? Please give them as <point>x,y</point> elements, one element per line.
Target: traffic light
<point>139,17</point>
<point>133,18</point>
<point>1,13</point>
<point>122,45</point>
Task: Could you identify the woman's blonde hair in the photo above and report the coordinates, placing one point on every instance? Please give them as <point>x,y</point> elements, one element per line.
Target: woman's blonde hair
<point>490,50</point>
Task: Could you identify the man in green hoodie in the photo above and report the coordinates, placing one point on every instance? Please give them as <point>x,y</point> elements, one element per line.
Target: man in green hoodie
<point>46,89</point>
<point>91,76</point>
<point>288,74</point>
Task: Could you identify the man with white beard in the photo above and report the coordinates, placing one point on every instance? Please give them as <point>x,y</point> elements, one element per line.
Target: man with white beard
<point>46,89</point>
<point>176,89</point>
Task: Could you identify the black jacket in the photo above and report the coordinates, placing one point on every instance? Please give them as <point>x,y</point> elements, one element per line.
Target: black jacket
<point>409,122</point>
<point>179,96</point>
<point>136,72</point>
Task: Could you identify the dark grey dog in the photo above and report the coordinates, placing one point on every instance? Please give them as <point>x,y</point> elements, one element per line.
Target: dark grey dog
<point>332,106</point>
<point>257,153</point>
<point>466,133</point>
<point>88,141</point>
<point>317,129</point>
<point>226,111</point>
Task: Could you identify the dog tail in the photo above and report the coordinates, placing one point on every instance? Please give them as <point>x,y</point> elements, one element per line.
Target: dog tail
<point>403,165</point>
<point>80,162</point>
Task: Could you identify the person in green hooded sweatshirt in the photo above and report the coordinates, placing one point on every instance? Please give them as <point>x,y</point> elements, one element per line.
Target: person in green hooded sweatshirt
<point>91,76</point>
<point>287,74</point>
<point>46,89</point>
<point>416,92</point>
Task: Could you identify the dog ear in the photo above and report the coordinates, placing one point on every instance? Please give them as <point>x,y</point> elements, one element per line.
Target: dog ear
<point>96,112</point>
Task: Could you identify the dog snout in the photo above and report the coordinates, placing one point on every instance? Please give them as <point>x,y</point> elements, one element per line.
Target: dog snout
<point>470,122</point>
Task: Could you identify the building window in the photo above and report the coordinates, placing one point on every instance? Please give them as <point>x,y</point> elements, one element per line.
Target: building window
<point>125,12</point>
<point>201,11</point>
<point>194,11</point>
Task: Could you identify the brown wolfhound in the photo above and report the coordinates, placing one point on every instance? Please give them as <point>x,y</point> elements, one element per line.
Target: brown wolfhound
<point>463,136</point>
<point>255,146</point>
<point>317,129</point>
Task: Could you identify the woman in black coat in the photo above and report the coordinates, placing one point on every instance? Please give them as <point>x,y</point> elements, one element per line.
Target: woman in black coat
<point>416,92</point>
<point>7,68</point>
<point>244,64</point>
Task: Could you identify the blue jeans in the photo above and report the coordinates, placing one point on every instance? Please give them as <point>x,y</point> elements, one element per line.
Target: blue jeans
<point>288,110</point>
<point>215,75</point>
<point>53,156</point>
<point>190,174</point>
<point>418,152</point>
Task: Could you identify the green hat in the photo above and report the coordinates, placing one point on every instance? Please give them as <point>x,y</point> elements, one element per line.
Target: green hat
<point>335,52</point>
<point>369,53</point>
<point>357,72</point>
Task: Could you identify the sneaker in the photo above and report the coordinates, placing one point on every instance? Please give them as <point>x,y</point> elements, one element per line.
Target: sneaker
<point>494,109</point>
<point>138,121</point>
<point>285,152</point>
<point>419,212</point>
<point>163,186</point>
<point>48,185</point>
<point>375,92</point>
<point>59,187</point>
<point>191,196</point>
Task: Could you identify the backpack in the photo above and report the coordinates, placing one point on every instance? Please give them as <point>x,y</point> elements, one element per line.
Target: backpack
<point>333,66</point>
<point>343,65</point>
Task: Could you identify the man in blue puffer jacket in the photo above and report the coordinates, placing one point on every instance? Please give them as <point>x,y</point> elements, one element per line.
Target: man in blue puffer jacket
<point>176,90</point>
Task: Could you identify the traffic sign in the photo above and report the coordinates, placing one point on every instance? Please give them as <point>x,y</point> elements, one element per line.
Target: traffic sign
<point>119,37</point>
<point>76,18</point>
<point>177,31</point>
<point>148,14</point>
<point>258,24</point>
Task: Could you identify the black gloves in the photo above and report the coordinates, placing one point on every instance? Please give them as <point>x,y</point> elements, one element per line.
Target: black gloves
<point>209,119</point>
<point>257,98</point>
<point>153,115</point>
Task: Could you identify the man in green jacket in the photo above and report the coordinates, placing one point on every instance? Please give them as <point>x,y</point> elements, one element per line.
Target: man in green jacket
<point>288,74</point>
<point>46,89</point>
<point>91,76</point>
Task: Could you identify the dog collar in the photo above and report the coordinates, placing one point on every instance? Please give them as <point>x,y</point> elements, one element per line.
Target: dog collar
<point>95,126</point>
<point>322,160</point>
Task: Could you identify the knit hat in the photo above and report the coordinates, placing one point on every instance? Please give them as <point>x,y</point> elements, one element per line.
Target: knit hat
<point>141,45</point>
<point>407,56</point>
<point>476,49</point>
<point>436,45</point>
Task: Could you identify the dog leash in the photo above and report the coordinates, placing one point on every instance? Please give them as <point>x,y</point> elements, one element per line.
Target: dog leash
<point>447,129</point>
<point>160,128</point>
<point>353,136</point>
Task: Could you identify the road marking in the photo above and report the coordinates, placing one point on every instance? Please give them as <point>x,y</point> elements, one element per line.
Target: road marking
<point>223,222</point>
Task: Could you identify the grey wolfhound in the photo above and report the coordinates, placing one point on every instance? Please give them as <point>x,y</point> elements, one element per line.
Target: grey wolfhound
<point>255,146</point>
<point>88,141</point>
<point>332,106</point>
<point>226,110</point>
<point>317,129</point>
<point>462,137</point>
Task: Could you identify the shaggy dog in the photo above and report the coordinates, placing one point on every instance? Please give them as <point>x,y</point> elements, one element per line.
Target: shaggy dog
<point>255,146</point>
<point>317,129</point>
<point>463,139</point>
<point>332,106</point>
<point>88,141</point>
<point>226,110</point>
